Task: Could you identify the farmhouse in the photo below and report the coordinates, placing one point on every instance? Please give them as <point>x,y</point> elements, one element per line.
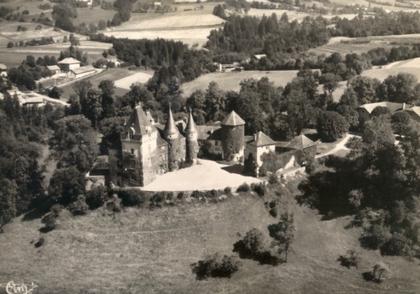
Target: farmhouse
<point>259,144</point>
<point>68,64</point>
<point>82,71</point>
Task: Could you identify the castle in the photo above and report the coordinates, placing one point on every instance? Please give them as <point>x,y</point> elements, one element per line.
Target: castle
<point>149,150</point>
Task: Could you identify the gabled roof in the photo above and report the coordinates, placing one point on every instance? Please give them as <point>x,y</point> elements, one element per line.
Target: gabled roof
<point>300,142</point>
<point>69,60</point>
<point>233,119</point>
<point>260,139</point>
<point>83,69</point>
<point>415,110</point>
<point>392,106</point>
<point>3,66</point>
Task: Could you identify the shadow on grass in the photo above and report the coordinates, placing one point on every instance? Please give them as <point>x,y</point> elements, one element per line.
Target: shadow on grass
<point>234,169</point>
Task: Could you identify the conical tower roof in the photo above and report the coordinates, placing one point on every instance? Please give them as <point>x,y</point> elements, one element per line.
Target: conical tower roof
<point>233,119</point>
<point>262,139</point>
<point>191,127</point>
<point>171,131</point>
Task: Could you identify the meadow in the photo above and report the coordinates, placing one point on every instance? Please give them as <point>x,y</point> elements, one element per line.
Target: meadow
<point>230,81</point>
<point>142,250</point>
<point>411,66</point>
<point>14,56</point>
<point>190,24</point>
<point>346,45</point>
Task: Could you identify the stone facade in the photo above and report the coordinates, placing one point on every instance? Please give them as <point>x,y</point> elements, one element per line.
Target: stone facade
<point>233,138</point>
<point>148,151</point>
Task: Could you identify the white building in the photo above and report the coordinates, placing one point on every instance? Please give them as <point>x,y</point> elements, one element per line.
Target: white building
<point>82,71</point>
<point>68,64</point>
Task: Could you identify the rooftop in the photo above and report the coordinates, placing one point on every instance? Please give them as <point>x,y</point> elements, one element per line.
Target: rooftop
<point>83,69</point>
<point>69,60</point>
<point>392,106</point>
<point>233,119</point>
<point>260,139</point>
<point>300,142</point>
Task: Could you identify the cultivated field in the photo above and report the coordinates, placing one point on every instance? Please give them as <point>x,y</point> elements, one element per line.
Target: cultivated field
<point>230,80</point>
<point>345,45</point>
<point>411,66</point>
<point>14,56</point>
<point>113,74</point>
<point>151,251</point>
<point>191,26</point>
<point>292,14</point>
<point>93,15</point>
<point>9,33</point>
<point>138,77</point>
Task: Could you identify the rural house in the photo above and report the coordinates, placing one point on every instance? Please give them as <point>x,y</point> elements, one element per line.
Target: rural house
<point>68,64</point>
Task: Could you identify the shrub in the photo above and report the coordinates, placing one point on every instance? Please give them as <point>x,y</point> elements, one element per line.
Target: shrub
<point>113,204</point>
<point>379,273</point>
<point>350,259</point>
<point>96,197</point>
<point>260,189</point>
<point>375,236</point>
<point>50,222</point>
<point>157,199</point>
<point>254,246</point>
<point>243,188</point>
<point>79,207</point>
<point>40,242</point>
<point>132,197</point>
<point>397,245</point>
<point>216,266</point>
<point>228,191</point>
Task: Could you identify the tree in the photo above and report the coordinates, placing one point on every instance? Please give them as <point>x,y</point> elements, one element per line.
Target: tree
<point>283,232</point>
<point>215,102</point>
<point>66,185</point>
<point>330,82</point>
<point>378,131</point>
<point>365,89</point>
<point>74,142</point>
<point>331,126</point>
<point>8,194</point>
<point>55,92</point>
<point>401,122</point>
<point>197,103</point>
<point>400,88</point>
<point>107,88</point>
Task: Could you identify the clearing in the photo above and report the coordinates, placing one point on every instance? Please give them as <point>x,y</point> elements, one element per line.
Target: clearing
<point>411,66</point>
<point>138,77</point>
<point>151,251</point>
<point>229,81</point>
<point>206,175</point>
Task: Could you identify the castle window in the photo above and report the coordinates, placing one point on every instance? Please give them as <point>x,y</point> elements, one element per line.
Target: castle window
<point>132,151</point>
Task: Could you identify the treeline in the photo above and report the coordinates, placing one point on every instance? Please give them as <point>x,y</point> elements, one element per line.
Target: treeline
<point>22,130</point>
<point>29,71</point>
<point>285,42</point>
<point>270,35</point>
<point>382,24</point>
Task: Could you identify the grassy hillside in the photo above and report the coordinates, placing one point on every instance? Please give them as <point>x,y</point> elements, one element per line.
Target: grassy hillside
<point>150,251</point>
<point>231,80</point>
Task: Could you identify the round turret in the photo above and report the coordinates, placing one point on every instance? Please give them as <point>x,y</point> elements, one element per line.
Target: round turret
<point>233,137</point>
<point>191,134</point>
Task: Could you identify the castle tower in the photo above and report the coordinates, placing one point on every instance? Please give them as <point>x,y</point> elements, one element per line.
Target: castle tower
<point>139,143</point>
<point>176,148</point>
<point>191,134</point>
<point>233,137</point>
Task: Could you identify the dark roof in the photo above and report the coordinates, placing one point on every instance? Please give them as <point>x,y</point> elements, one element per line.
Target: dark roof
<point>170,128</point>
<point>260,139</point>
<point>233,119</point>
<point>191,127</point>
<point>300,142</point>
<point>139,121</point>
